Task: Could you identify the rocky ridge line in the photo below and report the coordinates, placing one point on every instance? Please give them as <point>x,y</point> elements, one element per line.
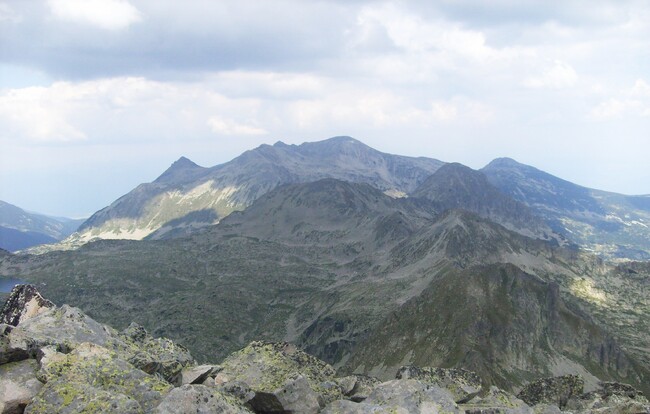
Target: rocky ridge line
<point>57,359</point>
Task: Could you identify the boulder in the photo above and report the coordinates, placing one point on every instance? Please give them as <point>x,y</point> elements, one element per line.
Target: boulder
<point>611,397</point>
<point>11,353</point>
<point>199,399</point>
<point>556,390</point>
<point>495,400</point>
<point>462,384</point>
<point>400,396</point>
<point>63,327</point>
<point>357,387</point>
<point>18,385</point>
<point>91,378</point>
<point>154,355</point>
<point>24,302</point>
<point>197,374</point>
<point>295,395</point>
<point>275,369</point>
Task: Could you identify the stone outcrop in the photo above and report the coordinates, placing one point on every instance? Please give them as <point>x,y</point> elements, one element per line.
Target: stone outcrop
<point>23,303</point>
<point>556,390</point>
<point>281,377</point>
<point>59,360</point>
<point>461,383</point>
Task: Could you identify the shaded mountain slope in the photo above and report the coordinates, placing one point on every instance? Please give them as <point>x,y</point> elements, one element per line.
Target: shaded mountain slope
<point>495,316</point>
<point>610,224</point>
<point>186,188</point>
<point>456,186</point>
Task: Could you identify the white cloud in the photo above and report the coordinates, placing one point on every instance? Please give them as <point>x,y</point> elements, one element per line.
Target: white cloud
<point>641,88</point>
<point>33,113</point>
<point>615,108</point>
<point>105,14</point>
<point>561,75</point>
<point>229,127</point>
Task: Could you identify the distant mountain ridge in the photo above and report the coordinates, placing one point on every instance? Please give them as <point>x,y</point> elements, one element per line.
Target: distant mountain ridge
<point>456,186</point>
<point>612,225</point>
<point>187,197</point>
<point>191,196</point>
<point>20,229</point>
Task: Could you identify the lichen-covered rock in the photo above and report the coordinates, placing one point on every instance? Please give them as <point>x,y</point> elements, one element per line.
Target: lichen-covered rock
<point>154,355</point>
<point>357,387</point>
<point>62,397</point>
<point>400,396</point>
<point>199,399</point>
<point>462,384</point>
<point>556,390</point>
<point>18,385</point>
<point>24,302</point>
<point>93,376</point>
<point>66,327</point>
<point>269,368</point>
<point>611,398</point>
<point>495,400</point>
<point>197,374</point>
<point>62,327</point>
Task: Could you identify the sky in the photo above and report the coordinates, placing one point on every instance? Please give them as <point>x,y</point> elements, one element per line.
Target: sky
<point>98,96</point>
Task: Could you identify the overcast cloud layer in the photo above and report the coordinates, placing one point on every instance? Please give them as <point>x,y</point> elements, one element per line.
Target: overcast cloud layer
<point>97,96</point>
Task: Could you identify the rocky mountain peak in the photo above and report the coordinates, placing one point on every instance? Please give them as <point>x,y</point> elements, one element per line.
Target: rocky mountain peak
<point>182,168</point>
<point>504,162</point>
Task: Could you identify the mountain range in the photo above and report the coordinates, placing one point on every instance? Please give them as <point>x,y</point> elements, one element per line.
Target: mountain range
<point>20,229</point>
<point>411,261</point>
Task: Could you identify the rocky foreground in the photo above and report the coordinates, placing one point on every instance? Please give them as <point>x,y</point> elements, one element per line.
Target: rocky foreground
<point>59,360</point>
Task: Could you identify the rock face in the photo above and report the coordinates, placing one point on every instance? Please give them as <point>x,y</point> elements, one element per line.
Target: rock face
<point>24,302</point>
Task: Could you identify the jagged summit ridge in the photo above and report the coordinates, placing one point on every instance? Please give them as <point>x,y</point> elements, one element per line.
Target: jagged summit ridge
<point>187,196</point>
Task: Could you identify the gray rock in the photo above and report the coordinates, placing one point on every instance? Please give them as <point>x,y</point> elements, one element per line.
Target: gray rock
<point>154,355</point>
<point>294,396</point>
<point>357,387</point>
<point>24,302</point>
<point>199,399</point>
<point>62,327</point>
<point>269,368</point>
<point>556,390</point>
<point>400,396</point>
<point>197,374</point>
<point>462,384</point>
<point>611,398</point>
<point>18,385</point>
<point>61,397</point>
<point>11,353</point>
<point>495,400</point>
<point>93,376</point>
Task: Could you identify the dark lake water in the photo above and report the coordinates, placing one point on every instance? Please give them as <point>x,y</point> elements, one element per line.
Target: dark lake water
<point>7,283</point>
